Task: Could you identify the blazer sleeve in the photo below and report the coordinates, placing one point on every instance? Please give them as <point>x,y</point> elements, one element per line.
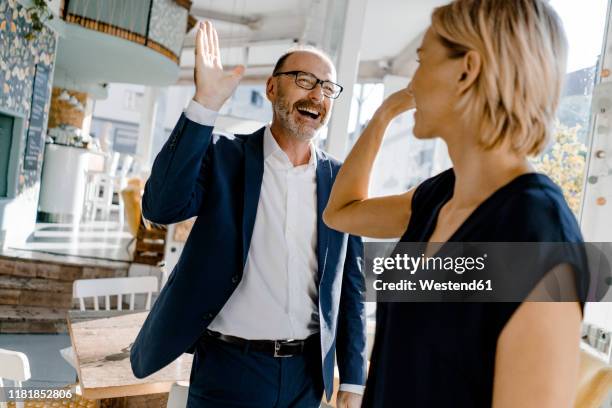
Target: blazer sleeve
<point>351,337</point>
<point>175,188</point>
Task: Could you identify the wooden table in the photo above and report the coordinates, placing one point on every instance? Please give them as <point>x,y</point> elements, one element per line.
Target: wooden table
<point>101,341</point>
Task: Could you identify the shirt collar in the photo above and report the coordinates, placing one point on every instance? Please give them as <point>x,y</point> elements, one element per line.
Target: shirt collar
<point>271,148</point>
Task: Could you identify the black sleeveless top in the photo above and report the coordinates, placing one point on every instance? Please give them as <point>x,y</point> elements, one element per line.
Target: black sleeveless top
<point>430,355</point>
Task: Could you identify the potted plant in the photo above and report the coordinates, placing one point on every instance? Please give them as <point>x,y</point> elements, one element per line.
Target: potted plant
<point>39,13</point>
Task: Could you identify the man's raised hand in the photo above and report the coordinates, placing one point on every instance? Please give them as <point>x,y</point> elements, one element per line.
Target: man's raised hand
<point>213,85</point>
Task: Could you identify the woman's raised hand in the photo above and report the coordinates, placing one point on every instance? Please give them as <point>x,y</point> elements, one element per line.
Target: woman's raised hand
<point>397,103</point>
<point>213,85</point>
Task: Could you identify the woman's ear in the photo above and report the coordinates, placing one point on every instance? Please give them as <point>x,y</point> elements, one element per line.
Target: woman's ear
<point>471,66</point>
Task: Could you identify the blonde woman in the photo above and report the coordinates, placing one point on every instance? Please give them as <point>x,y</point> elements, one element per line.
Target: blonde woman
<point>488,84</point>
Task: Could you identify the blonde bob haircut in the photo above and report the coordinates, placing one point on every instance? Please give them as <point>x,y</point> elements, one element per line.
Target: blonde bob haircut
<point>523,49</point>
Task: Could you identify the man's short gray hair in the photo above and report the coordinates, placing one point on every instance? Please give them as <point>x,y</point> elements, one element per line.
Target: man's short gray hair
<point>301,48</point>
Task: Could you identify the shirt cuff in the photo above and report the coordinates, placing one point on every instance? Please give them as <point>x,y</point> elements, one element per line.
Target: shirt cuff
<point>354,388</point>
<point>197,113</point>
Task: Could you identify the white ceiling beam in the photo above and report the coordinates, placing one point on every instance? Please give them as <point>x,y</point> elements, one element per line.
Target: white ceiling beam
<point>251,22</point>
<point>278,27</point>
<point>253,74</point>
<point>369,71</point>
<point>242,41</point>
<point>404,64</point>
<point>372,71</point>
<point>313,32</point>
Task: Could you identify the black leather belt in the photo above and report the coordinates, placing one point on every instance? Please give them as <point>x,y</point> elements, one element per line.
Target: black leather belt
<point>278,348</point>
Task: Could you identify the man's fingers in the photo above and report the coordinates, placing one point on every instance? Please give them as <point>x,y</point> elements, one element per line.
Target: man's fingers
<point>199,50</point>
<point>203,36</point>
<point>216,52</point>
<point>210,37</point>
<point>204,42</point>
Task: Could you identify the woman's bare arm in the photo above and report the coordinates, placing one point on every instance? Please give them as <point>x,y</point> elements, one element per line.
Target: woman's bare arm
<point>350,209</point>
<point>536,365</point>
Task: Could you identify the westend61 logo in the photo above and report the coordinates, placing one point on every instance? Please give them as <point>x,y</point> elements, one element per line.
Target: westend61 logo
<point>411,264</point>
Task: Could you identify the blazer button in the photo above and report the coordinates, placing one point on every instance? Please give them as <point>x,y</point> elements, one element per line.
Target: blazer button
<point>235,279</point>
<point>208,316</point>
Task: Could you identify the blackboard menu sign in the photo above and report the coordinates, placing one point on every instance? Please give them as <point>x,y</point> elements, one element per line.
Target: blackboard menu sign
<point>2,93</point>
<point>36,139</point>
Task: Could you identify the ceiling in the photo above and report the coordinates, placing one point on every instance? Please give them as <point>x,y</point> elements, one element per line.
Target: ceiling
<point>392,29</point>
<point>87,58</point>
<point>390,25</point>
<point>251,32</point>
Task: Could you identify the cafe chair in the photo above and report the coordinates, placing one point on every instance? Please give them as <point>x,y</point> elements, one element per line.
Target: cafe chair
<point>120,181</point>
<point>103,185</point>
<point>99,189</point>
<point>14,366</point>
<point>594,381</point>
<point>175,242</point>
<point>177,398</point>
<point>107,287</point>
<point>149,238</point>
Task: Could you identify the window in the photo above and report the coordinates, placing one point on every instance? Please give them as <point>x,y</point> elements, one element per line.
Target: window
<point>6,138</point>
<point>367,97</point>
<point>247,103</point>
<point>256,99</point>
<point>132,100</point>
<point>565,159</point>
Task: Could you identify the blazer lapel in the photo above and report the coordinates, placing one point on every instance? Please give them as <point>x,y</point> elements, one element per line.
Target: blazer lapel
<point>324,183</point>
<point>253,174</point>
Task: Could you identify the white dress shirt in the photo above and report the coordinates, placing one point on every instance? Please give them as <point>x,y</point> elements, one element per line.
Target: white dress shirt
<point>277,297</point>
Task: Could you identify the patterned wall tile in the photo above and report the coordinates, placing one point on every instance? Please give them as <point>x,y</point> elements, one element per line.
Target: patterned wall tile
<point>18,59</point>
<point>168,24</point>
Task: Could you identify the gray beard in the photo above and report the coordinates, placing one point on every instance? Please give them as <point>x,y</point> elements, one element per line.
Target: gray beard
<point>299,131</point>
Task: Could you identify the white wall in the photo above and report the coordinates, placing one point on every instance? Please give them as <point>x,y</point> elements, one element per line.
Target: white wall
<point>177,98</point>
<point>18,217</point>
<point>120,104</point>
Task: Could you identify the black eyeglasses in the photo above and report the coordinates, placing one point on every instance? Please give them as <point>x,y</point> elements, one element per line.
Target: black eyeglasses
<point>308,81</point>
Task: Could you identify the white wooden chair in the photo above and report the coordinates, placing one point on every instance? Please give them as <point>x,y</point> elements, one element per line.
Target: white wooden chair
<point>99,189</point>
<point>14,366</point>
<point>101,186</point>
<point>119,183</point>
<point>177,398</point>
<point>594,381</point>
<point>175,242</point>
<point>107,287</point>
<point>172,253</point>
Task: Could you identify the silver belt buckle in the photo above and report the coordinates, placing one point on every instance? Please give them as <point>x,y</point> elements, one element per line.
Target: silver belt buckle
<point>277,346</point>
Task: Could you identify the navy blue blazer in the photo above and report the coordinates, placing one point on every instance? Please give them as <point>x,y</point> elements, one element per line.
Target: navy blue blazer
<point>219,180</point>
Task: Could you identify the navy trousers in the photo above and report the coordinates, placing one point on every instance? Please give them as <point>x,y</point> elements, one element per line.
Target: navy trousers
<point>224,375</point>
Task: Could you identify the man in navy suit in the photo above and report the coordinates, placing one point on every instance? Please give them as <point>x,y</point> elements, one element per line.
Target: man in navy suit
<point>264,294</point>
